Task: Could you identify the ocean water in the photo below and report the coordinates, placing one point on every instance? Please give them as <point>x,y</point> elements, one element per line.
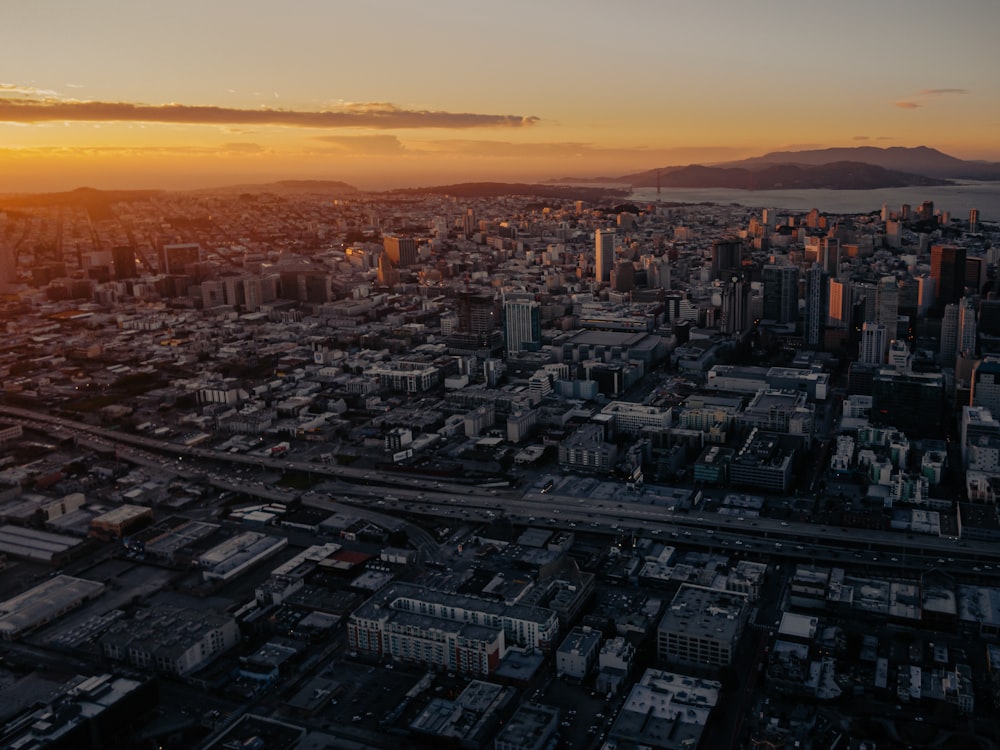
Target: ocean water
<point>957,199</point>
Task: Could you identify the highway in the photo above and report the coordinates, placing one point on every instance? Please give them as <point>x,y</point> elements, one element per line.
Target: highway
<point>624,516</point>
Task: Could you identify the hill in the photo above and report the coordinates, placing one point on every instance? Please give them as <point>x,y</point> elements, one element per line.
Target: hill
<point>841,175</point>
<point>920,160</point>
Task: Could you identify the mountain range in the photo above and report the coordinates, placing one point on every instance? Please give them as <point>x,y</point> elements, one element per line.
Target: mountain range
<point>859,168</point>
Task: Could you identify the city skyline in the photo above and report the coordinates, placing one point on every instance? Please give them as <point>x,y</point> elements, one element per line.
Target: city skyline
<point>384,94</point>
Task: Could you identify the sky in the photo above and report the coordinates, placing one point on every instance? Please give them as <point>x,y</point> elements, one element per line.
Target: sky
<point>397,93</point>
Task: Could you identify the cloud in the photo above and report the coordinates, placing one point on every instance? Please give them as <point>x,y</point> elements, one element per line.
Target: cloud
<point>861,138</point>
<point>364,144</point>
<point>379,116</point>
<point>242,148</point>
<point>16,88</point>
<point>927,94</point>
<point>942,92</point>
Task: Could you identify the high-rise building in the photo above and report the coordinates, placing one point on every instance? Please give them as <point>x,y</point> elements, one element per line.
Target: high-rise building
<point>781,293</point>
<point>469,225</point>
<point>522,325</point>
<point>727,256</point>
<point>402,251</point>
<point>477,312</point>
<point>948,272</point>
<point>735,316</point>
<point>839,295</point>
<point>966,339</point>
<point>866,293</point>
<point>604,259</point>
<point>973,220</point>
<point>623,277</point>
<point>986,384</point>
<point>975,273</point>
<point>912,402</point>
<point>948,346</point>
<point>817,306</point>
<point>123,259</point>
<point>887,304</point>
<point>174,258</point>
<point>874,344</point>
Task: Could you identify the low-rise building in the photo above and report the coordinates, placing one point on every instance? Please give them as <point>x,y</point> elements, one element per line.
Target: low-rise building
<point>702,626</point>
<point>44,603</point>
<point>664,711</point>
<point>171,640</point>
<point>578,652</point>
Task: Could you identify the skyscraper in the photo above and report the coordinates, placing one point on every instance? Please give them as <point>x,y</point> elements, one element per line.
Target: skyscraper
<point>123,259</point>
<point>727,255</point>
<point>781,293</point>
<point>816,305</point>
<point>973,220</point>
<point>402,251</point>
<point>522,325</point>
<point>735,316</point>
<point>948,272</point>
<point>874,344</point>
<point>604,259</point>
<point>887,304</point>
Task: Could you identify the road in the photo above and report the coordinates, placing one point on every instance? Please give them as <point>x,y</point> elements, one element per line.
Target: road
<point>778,540</point>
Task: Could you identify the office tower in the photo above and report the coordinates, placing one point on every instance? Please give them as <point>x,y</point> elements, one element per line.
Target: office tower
<point>975,273</point>
<point>657,271</point>
<point>948,272</point>
<point>989,317</point>
<point>477,312</point>
<point>926,211</point>
<point>735,316</point>
<point>829,255</point>
<point>912,402</point>
<point>174,258</point>
<point>839,310</point>
<point>986,384</point>
<point>727,256</point>
<point>887,304</point>
<point>769,218</point>
<point>123,260</point>
<point>866,293</point>
<point>623,277</point>
<point>604,242</point>
<point>966,338</point>
<point>817,305</point>
<point>884,216</point>
<point>522,325</point>
<point>469,226</point>
<point>926,292</point>
<point>388,275</point>
<point>874,344</point>
<point>904,212</point>
<point>973,220</point>
<point>948,347</point>
<point>899,356</point>
<point>781,293</point>
<point>894,233</point>
<point>402,251</point>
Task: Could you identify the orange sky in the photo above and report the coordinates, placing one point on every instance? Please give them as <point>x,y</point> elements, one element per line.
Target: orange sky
<point>387,93</point>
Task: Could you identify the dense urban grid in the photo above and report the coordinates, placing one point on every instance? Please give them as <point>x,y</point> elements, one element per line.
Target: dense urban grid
<point>309,468</point>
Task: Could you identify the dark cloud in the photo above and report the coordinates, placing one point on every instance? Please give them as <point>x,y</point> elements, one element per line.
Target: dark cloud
<point>907,105</point>
<point>380,116</point>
